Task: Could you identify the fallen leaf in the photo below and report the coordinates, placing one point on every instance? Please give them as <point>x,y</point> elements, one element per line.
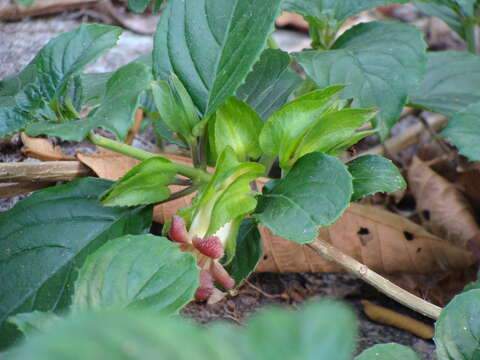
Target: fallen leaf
<point>42,149</point>
<point>383,241</point>
<point>294,20</point>
<point>442,207</point>
<point>108,165</point>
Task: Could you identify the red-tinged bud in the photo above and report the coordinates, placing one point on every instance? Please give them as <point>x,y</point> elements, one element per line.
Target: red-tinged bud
<point>210,246</point>
<point>178,231</point>
<point>221,275</point>
<point>205,290</point>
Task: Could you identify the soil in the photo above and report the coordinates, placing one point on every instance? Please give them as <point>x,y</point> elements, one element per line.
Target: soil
<point>18,44</point>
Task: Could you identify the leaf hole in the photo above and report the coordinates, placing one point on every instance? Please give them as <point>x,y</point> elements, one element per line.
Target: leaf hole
<point>408,235</point>
<point>426,214</point>
<point>364,235</point>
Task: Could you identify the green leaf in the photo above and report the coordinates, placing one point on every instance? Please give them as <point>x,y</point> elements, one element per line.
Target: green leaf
<point>116,113</point>
<point>333,130</point>
<point>226,197</point>
<point>146,183</point>
<point>139,6</point>
<point>463,130</point>
<point>249,250</point>
<point>46,237</point>
<point>37,93</point>
<point>25,2</point>
<point>445,13</point>
<point>176,108</point>
<point>237,125</point>
<point>457,330</point>
<point>324,330</point>
<point>126,335</point>
<point>211,45</point>
<point>390,351</point>
<point>34,322</point>
<point>313,194</point>
<point>465,8</point>
<point>270,83</point>
<point>450,83</point>
<point>381,62</point>
<point>372,174</point>
<point>139,272</point>
<point>94,86</point>
<point>284,130</point>
<point>334,10</point>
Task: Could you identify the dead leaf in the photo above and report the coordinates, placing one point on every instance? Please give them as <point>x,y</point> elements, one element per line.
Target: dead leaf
<point>294,20</point>
<point>395,245</point>
<point>442,207</point>
<point>42,149</point>
<point>108,165</point>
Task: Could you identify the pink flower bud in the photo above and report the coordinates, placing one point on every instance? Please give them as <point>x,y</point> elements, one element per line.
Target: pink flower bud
<point>178,231</point>
<point>221,275</point>
<point>206,287</point>
<point>210,246</point>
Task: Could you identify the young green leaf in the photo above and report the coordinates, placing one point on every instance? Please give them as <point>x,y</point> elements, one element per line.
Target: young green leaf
<point>146,183</point>
<point>390,351</point>
<point>324,330</point>
<point>237,125</point>
<point>270,83</point>
<point>457,330</point>
<point>45,237</point>
<point>465,8</point>
<point>115,114</point>
<point>211,45</point>
<point>463,130</point>
<point>34,322</point>
<point>333,131</point>
<point>227,197</point>
<point>313,194</point>
<point>37,93</point>
<point>176,108</point>
<point>450,83</point>
<point>372,174</point>
<point>381,62</point>
<point>139,272</point>
<point>249,250</point>
<point>285,129</point>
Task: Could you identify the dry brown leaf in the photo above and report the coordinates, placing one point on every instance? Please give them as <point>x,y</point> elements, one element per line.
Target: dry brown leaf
<point>42,149</point>
<point>294,20</point>
<point>383,241</point>
<point>442,207</point>
<point>108,165</point>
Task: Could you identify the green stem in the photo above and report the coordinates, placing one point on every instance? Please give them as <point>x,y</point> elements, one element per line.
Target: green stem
<point>471,36</point>
<point>180,194</point>
<point>268,162</point>
<point>121,148</point>
<point>272,44</point>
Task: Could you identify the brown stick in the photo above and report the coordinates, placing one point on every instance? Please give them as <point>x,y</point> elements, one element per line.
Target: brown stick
<point>383,285</point>
<point>14,11</point>
<point>406,138</point>
<point>13,189</point>
<point>135,128</point>
<point>386,316</point>
<point>42,171</point>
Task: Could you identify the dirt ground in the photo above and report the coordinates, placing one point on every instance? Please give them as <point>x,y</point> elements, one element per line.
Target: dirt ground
<point>19,42</point>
